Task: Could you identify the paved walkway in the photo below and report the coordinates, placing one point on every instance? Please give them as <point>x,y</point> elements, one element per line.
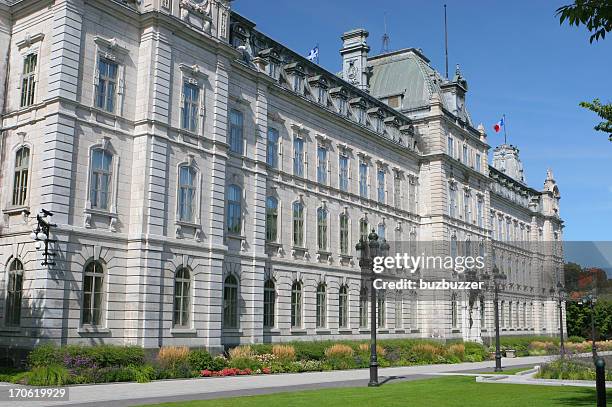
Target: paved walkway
<point>131,394</point>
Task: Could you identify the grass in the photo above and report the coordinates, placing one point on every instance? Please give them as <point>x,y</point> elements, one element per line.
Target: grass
<point>440,392</point>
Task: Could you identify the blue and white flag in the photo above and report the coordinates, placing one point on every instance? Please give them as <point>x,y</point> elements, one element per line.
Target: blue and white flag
<point>313,55</point>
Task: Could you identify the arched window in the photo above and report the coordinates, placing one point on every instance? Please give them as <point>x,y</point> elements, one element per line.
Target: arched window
<point>230,302</point>
<point>344,234</point>
<point>182,296</point>
<point>14,293</point>
<point>399,311</point>
<point>322,229</point>
<point>296,305</point>
<point>321,306</point>
<point>234,209</point>
<point>271,219</point>
<point>454,316</point>
<point>381,309</point>
<point>272,148</point>
<point>92,293</point>
<point>100,178</point>
<point>20,184</point>
<point>298,224</point>
<point>343,307</point>
<point>187,193</point>
<point>363,307</point>
<point>269,303</point>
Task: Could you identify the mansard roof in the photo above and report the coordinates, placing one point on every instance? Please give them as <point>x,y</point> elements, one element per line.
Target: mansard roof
<point>407,72</point>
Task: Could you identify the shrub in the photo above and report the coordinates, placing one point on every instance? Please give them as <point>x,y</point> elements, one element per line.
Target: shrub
<point>311,350</point>
<point>284,352</point>
<point>475,352</point>
<point>142,374</point>
<point>52,375</point>
<point>172,357</point>
<point>575,339</point>
<point>218,363</point>
<point>428,353</point>
<point>199,359</point>
<point>110,355</point>
<point>243,363</point>
<point>456,351</point>
<point>44,355</point>
<point>365,348</point>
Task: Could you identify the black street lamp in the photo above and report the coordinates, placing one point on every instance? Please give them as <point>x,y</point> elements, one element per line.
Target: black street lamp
<point>561,296</point>
<point>590,301</point>
<point>495,283</point>
<point>41,234</point>
<point>369,249</point>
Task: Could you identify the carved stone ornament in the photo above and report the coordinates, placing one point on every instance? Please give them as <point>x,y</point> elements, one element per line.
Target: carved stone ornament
<point>198,6</point>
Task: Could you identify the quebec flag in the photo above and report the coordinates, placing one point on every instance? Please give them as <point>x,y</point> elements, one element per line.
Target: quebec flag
<point>313,55</point>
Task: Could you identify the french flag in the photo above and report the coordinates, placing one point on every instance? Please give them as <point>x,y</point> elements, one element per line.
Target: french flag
<point>498,126</point>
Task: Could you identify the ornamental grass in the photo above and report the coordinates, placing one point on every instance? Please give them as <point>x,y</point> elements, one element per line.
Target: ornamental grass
<point>284,352</point>
<point>338,350</point>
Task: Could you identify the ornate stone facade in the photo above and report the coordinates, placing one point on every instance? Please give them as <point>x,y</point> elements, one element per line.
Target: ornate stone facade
<point>209,184</point>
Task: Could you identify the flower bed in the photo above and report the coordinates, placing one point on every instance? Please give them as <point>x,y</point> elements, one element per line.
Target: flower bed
<point>51,365</point>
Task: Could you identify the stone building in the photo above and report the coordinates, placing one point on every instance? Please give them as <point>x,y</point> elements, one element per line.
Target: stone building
<point>208,184</point>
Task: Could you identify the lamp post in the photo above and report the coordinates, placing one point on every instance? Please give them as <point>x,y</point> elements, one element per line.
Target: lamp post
<point>496,284</point>
<point>369,249</point>
<point>41,234</point>
<point>590,300</point>
<point>560,293</point>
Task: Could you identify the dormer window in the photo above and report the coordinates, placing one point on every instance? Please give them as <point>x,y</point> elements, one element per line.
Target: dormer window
<point>271,60</point>
<point>377,119</point>
<point>358,108</point>
<point>296,77</point>
<point>340,98</point>
<point>319,86</point>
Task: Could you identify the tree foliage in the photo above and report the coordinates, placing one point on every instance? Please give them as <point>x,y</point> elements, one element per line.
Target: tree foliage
<point>603,111</point>
<point>596,15</point>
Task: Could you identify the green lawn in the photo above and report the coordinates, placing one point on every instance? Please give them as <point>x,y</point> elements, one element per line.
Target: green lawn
<point>442,392</point>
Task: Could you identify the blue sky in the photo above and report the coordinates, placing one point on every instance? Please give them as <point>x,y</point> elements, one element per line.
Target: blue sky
<point>517,59</point>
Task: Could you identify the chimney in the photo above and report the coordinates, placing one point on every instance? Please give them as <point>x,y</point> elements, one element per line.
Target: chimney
<point>354,54</point>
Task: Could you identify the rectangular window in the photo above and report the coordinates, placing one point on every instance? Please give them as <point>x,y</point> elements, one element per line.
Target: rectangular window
<point>343,173</point>
<point>100,179</point>
<point>298,224</point>
<point>478,160</point>
<point>451,147</point>
<point>322,95</point>
<point>342,106</point>
<point>467,200</point>
<point>298,157</point>
<point>272,148</point>
<point>452,201</point>
<point>412,194</point>
<point>297,83</point>
<point>20,184</point>
<point>480,213</point>
<point>187,193</point>
<point>465,155</point>
<point>236,131</point>
<point>322,165</point>
<point>322,229</point>
<point>363,230</point>
<point>397,191</point>
<point>28,80</point>
<point>107,85</point>
<point>398,312</point>
<point>382,312</point>
<point>363,180</point>
<point>381,186</point>
<point>344,234</point>
<point>191,107</point>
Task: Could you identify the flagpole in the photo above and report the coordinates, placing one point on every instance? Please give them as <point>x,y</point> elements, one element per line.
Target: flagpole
<point>505,134</point>
<point>446,41</point>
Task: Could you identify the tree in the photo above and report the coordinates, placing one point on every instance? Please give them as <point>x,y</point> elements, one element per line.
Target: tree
<point>596,15</point>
